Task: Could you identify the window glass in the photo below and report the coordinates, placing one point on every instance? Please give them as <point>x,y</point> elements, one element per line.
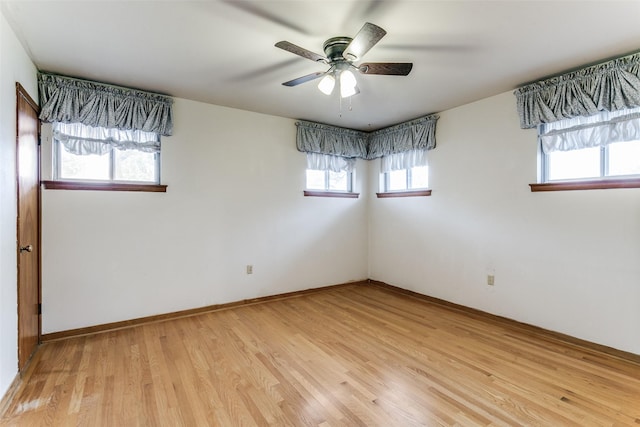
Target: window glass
<point>339,181</point>
<point>624,158</point>
<point>88,167</point>
<point>419,177</point>
<point>133,165</point>
<point>327,180</point>
<point>397,180</point>
<point>573,164</point>
<point>315,179</point>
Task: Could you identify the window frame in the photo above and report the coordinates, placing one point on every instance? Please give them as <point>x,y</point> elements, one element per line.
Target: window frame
<point>588,183</point>
<point>385,179</point>
<point>112,184</point>
<point>603,167</point>
<point>327,191</point>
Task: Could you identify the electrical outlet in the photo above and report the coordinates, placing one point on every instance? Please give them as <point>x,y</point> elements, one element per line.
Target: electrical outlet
<point>491,279</point>
<point>249,269</point>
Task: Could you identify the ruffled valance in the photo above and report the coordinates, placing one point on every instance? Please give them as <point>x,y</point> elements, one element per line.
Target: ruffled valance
<point>335,141</point>
<point>405,160</point>
<point>69,100</point>
<point>609,86</point>
<point>82,140</point>
<point>417,134</point>
<point>594,131</point>
<point>323,162</point>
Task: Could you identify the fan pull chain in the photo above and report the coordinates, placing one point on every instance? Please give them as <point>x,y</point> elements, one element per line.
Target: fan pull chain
<point>350,107</point>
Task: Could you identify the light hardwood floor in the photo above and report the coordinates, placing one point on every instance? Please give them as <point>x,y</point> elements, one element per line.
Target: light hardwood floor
<point>357,355</point>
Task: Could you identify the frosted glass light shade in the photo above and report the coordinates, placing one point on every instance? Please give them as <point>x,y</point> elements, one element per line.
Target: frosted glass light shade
<point>326,84</point>
<point>347,84</point>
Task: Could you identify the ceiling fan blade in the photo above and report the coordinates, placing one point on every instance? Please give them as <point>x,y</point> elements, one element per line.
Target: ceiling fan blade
<point>386,68</point>
<point>429,47</point>
<point>290,47</point>
<point>264,72</point>
<point>265,14</point>
<point>304,79</point>
<point>366,38</point>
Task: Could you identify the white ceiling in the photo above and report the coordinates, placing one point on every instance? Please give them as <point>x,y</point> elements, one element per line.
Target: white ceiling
<point>222,52</point>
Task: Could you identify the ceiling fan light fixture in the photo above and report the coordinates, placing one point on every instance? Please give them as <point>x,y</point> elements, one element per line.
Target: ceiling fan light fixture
<point>348,84</point>
<point>341,53</point>
<point>327,84</point>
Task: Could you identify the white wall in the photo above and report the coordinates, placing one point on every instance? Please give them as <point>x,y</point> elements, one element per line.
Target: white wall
<point>15,66</point>
<point>235,182</point>
<point>565,261</point>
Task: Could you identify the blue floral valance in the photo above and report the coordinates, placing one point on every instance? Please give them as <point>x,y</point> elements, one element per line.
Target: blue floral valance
<point>418,134</point>
<point>609,86</point>
<point>69,100</point>
<point>335,141</point>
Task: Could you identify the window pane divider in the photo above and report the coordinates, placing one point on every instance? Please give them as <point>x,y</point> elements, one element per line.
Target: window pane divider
<point>112,164</point>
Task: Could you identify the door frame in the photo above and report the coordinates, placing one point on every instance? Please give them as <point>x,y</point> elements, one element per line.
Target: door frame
<point>21,92</point>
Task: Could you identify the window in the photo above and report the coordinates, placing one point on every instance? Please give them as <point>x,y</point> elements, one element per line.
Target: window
<point>619,159</point>
<point>330,176</point>
<point>328,180</point>
<point>115,165</point>
<point>604,147</point>
<point>414,178</point>
<point>87,154</point>
<point>404,174</point>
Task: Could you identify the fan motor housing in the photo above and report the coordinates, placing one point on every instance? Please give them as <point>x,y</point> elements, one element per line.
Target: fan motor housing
<point>335,47</point>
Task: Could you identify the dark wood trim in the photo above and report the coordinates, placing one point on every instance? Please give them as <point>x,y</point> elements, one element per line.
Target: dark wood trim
<point>21,91</point>
<point>541,333</point>
<point>331,194</point>
<point>39,231</point>
<point>595,184</point>
<point>412,193</point>
<point>107,327</point>
<point>103,186</point>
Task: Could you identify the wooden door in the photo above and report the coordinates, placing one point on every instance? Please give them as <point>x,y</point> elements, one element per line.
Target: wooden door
<point>28,187</point>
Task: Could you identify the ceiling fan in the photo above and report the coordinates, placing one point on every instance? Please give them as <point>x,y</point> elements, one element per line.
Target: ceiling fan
<point>341,55</point>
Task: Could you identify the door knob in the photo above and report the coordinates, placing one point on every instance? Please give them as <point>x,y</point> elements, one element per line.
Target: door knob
<point>28,248</point>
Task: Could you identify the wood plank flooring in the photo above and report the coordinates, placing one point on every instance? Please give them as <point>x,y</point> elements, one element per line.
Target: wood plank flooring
<point>356,355</point>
